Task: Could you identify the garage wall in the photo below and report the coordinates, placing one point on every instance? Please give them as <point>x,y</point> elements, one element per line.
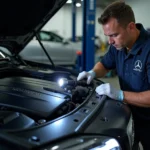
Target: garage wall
<point>61,23</point>
<point>142,11</point>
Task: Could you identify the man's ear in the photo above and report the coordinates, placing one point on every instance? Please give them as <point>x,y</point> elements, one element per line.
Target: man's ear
<point>131,26</point>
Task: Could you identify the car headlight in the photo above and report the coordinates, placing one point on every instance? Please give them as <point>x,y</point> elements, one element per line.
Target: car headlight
<point>86,143</point>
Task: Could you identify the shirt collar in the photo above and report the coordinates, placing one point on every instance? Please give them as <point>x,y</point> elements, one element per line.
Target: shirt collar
<point>140,41</point>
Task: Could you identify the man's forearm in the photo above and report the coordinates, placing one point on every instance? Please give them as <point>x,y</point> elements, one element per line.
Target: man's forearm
<point>100,70</point>
<point>141,99</point>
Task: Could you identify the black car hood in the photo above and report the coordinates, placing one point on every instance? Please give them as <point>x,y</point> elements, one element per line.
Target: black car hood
<point>20,20</point>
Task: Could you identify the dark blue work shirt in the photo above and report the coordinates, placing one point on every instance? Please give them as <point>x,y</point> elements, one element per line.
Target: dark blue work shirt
<point>133,68</point>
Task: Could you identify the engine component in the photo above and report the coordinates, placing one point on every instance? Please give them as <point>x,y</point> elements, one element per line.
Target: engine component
<point>14,121</point>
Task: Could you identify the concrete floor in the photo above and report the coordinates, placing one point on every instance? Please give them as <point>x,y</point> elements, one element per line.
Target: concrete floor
<point>112,80</point>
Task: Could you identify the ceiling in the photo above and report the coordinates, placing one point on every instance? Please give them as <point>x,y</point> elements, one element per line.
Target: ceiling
<point>103,3</point>
<point>99,3</point>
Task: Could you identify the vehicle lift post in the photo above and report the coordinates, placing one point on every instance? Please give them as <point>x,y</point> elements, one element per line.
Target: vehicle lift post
<point>74,21</point>
<point>88,48</point>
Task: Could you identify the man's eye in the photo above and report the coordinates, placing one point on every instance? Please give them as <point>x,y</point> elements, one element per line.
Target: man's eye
<point>114,35</point>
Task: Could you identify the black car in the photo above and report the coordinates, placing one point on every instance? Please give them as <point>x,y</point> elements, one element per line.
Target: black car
<point>38,113</point>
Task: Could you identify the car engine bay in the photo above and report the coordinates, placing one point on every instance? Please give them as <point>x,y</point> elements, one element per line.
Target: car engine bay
<point>37,99</point>
<point>35,111</point>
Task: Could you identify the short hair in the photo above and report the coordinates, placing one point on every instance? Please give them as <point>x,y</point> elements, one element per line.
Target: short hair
<point>118,10</point>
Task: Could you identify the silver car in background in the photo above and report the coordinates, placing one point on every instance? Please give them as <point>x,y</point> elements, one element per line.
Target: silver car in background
<point>61,51</point>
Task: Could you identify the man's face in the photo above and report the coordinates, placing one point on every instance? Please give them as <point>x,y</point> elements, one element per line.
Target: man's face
<point>118,36</point>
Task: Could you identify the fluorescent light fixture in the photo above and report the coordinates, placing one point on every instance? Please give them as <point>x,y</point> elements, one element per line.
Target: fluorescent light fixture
<point>69,1</point>
<point>78,5</point>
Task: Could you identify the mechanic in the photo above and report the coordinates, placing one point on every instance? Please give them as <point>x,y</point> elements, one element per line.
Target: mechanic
<point>129,54</point>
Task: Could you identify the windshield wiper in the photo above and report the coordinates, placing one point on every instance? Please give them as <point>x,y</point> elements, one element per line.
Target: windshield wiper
<point>49,58</point>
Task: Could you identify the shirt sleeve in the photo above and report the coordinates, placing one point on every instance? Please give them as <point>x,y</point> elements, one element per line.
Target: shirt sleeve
<point>148,68</point>
<point>109,59</point>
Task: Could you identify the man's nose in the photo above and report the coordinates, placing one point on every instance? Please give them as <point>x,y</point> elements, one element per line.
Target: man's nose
<point>110,40</point>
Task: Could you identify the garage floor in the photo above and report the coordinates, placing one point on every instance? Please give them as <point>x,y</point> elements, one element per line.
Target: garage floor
<point>112,80</point>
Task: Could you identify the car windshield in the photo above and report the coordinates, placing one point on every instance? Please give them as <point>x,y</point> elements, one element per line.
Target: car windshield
<point>49,36</point>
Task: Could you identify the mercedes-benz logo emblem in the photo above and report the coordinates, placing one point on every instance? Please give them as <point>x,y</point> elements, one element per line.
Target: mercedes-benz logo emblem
<point>138,65</point>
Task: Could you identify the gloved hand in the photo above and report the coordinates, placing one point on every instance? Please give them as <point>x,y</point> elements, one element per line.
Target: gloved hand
<point>89,75</point>
<point>110,91</point>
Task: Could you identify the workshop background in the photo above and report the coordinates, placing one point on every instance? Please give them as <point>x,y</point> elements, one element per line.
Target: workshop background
<point>62,24</point>
<point>75,39</point>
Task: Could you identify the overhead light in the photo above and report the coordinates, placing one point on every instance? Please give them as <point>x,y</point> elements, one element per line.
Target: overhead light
<point>81,0</point>
<point>69,1</point>
<point>78,5</point>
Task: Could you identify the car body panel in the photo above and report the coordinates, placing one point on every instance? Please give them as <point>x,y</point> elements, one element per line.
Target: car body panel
<point>62,52</point>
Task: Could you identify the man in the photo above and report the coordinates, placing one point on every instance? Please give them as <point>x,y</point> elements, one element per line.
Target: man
<point>129,54</point>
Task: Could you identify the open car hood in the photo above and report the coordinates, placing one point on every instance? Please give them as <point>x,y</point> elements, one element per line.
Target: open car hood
<point>21,20</point>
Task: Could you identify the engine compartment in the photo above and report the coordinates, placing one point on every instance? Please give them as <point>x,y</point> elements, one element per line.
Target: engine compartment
<point>36,111</point>
<point>32,96</point>
<point>25,96</point>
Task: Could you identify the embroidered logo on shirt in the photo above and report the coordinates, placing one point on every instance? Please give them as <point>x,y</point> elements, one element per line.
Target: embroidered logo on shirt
<point>138,66</point>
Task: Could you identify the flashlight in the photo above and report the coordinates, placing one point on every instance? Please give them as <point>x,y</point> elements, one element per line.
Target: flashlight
<point>63,81</point>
